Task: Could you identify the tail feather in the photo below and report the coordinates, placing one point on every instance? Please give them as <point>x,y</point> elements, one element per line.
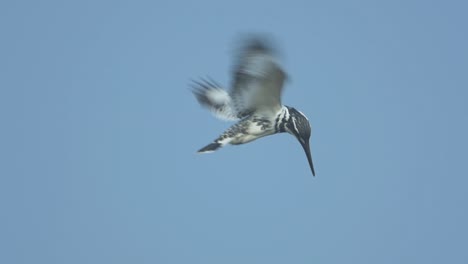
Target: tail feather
<point>210,147</point>
<point>225,138</point>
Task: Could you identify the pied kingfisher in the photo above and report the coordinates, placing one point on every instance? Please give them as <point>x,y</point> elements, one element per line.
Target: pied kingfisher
<point>254,100</point>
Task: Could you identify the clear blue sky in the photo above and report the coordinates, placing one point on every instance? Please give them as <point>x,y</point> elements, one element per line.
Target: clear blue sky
<point>99,133</point>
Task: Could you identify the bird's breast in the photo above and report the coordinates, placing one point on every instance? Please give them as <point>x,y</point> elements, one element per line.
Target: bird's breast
<point>252,129</point>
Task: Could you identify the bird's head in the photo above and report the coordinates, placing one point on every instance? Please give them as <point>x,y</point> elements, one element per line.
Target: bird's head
<point>298,125</point>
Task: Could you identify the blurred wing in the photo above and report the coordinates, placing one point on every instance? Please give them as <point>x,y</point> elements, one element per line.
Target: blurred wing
<point>258,80</point>
<point>212,96</point>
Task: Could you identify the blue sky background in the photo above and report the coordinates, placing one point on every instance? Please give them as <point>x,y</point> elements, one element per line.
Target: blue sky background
<point>99,132</point>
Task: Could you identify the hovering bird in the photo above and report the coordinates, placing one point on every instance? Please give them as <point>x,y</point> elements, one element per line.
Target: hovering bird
<point>254,100</point>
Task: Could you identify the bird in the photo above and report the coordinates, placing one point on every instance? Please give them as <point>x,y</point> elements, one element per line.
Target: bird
<point>254,100</point>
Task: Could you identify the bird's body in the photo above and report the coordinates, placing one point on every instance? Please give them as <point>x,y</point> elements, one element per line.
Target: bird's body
<point>254,101</point>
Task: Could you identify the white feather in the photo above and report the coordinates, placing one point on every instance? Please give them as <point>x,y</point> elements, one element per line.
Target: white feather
<point>216,99</point>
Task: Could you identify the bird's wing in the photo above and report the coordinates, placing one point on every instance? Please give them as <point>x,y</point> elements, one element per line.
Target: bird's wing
<point>258,80</point>
<point>212,96</point>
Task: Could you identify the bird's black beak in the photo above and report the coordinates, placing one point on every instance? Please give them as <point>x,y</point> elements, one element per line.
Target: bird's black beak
<point>306,147</point>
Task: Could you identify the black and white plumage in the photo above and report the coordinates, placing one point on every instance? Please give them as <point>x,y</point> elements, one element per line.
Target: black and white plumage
<point>254,100</point>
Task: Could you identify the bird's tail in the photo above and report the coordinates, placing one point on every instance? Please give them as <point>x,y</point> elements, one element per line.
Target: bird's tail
<point>210,147</point>
<point>215,145</point>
